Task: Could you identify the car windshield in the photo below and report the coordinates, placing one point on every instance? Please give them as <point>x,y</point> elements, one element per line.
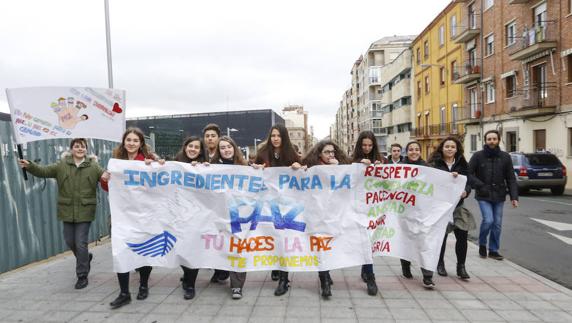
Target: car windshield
<point>543,160</point>
<point>514,160</point>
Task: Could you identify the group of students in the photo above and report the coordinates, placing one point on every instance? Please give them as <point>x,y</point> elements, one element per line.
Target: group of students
<point>78,174</point>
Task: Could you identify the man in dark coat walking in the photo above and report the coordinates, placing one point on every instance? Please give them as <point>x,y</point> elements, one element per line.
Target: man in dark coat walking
<point>493,178</point>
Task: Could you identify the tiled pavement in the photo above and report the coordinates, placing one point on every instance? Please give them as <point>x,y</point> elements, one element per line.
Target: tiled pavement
<point>499,291</point>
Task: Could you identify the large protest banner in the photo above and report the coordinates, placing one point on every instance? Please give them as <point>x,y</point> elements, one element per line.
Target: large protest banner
<point>241,219</point>
<point>40,113</point>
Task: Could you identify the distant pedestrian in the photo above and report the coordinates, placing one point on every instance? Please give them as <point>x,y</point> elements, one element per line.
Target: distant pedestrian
<point>493,178</point>
<point>449,158</point>
<point>77,176</point>
<point>395,157</point>
<point>413,150</point>
<point>367,152</point>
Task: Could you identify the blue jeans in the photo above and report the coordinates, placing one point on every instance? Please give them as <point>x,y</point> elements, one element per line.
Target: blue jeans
<point>491,223</point>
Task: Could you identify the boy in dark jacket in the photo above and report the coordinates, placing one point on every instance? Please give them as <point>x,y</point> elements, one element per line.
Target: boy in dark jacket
<point>493,178</point>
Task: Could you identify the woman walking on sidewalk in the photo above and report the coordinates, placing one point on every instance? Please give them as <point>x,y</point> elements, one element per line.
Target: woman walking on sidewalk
<point>326,152</point>
<point>277,151</point>
<point>192,152</point>
<point>413,150</point>
<point>132,147</point>
<point>366,152</point>
<point>228,154</point>
<point>449,158</point>
<point>77,175</point>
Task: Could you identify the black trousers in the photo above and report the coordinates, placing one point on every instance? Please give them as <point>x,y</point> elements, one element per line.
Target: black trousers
<point>144,273</point>
<point>460,246</point>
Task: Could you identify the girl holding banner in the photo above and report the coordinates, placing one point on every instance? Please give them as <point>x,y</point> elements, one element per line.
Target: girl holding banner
<point>413,150</point>
<point>228,153</point>
<point>77,175</point>
<point>192,152</point>
<point>132,147</point>
<point>366,151</point>
<point>277,151</point>
<point>449,157</point>
<point>326,152</point>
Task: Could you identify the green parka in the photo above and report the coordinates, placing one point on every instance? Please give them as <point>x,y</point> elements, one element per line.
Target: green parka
<point>77,187</point>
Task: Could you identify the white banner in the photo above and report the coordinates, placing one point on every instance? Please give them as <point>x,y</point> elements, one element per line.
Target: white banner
<point>41,113</point>
<point>241,219</point>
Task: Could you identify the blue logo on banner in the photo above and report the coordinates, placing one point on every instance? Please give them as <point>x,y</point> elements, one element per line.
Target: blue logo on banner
<point>159,245</point>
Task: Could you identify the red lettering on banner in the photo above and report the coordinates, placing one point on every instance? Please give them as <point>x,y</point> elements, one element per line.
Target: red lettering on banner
<point>320,243</point>
<point>262,243</point>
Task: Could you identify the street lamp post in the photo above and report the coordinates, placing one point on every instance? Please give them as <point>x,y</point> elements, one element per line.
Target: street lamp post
<point>256,140</point>
<point>229,130</point>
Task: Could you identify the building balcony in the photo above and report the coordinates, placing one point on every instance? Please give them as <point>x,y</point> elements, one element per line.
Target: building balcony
<point>401,115</point>
<point>386,97</point>
<point>401,89</point>
<point>535,40</point>
<point>518,1</point>
<point>468,31</point>
<point>469,72</point>
<point>537,100</point>
<point>387,119</point>
<point>380,131</point>
<point>471,113</point>
<point>445,129</point>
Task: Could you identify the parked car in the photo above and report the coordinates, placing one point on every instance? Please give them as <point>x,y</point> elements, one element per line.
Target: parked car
<point>538,171</point>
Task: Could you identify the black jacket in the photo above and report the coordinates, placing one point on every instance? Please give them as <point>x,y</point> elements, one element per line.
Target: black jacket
<point>493,176</point>
<point>460,166</point>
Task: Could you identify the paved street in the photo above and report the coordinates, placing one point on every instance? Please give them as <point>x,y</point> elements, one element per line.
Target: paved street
<point>499,291</point>
<point>532,242</point>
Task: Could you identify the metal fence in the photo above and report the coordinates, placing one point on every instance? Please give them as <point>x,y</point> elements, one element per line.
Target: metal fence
<point>29,228</point>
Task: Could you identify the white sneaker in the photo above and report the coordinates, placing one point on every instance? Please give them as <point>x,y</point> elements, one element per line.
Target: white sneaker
<point>237,293</point>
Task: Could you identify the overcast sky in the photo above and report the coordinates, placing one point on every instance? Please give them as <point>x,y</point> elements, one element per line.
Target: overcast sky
<point>188,56</point>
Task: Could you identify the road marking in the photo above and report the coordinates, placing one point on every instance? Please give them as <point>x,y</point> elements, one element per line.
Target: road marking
<point>548,201</point>
<point>560,226</point>
<point>565,239</point>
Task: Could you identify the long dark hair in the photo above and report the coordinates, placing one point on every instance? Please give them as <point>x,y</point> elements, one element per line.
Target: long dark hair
<point>182,154</point>
<point>406,159</point>
<point>438,154</point>
<point>287,154</point>
<point>359,154</point>
<point>312,157</point>
<point>237,159</point>
<point>120,152</point>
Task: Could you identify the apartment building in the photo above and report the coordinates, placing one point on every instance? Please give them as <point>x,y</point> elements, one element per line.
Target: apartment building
<point>520,56</point>
<point>296,120</point>
<point>362,106</point>
<point>437,96</point>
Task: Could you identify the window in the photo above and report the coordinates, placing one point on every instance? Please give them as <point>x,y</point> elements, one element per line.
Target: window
<point>418,90</point>
<point>442,76</point>
<point>510,86</point>
<point>569,66</point>
<point>511,141</point>
<point>454,73</point>
<point>510,34</point>
<point>570,133</point>
<point>454,115</point>
<point>473,143</point>
<point>427,87</point>
<point>418,56</point>
<point>426,49</point>
<point>453,26</point>
<point>540,140</point>
<point>443,120</point>
<point>441,35</point>
<point>490,92</point>
<point>490,47</point>
<point>489,3</point>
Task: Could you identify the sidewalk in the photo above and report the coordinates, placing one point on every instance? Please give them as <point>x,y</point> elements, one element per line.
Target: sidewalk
<point>499,291</point>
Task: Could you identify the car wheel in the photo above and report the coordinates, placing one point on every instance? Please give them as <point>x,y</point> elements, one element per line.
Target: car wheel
<point>557,190</point>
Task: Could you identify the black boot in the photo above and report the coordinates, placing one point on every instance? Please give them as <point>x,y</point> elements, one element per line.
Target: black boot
<point>325,284</point>
<point>122,299</point>
<point>441,269</point>
<point>188,291</point>
<point>275,275</point>
<point>462,272</point>
<point>283,285</point>
<point>371,285</point>
<point>81,282</point>
<point>406,270</point>
<point>143,293</point>
<point>483,251</point>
